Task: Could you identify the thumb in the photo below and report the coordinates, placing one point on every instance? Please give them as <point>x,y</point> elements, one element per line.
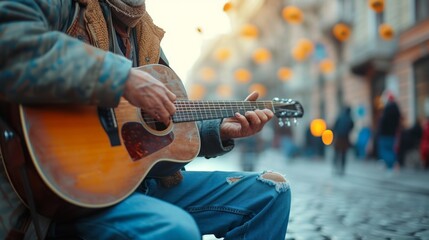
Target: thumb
<point>253,96</point>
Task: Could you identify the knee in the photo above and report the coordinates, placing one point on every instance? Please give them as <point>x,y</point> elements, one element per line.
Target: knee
<point>277,180</point>
<point>183,227</point>
<point>282,199</point>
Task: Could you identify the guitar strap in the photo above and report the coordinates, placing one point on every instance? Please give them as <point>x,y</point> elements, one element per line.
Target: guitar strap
<point>38,228</point>
<point>24,224</point>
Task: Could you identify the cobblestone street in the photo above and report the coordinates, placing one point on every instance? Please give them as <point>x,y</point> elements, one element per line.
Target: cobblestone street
<point>366,203</point>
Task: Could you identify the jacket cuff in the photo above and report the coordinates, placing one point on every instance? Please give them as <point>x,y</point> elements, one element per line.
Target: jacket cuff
<point>113,75</point>
<point>211,143</point>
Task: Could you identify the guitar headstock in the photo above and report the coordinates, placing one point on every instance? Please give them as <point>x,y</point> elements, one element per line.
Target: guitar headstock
<point>287,109</point>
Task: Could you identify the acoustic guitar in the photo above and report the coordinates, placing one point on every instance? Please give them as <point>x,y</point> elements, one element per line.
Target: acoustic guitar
<point>91,157</point>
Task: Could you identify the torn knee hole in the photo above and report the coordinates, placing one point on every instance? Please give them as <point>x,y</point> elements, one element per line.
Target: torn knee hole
<point>232,180</point>
<point>273,177</point>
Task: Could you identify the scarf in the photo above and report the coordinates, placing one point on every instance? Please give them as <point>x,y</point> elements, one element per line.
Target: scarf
<point>129,12</point>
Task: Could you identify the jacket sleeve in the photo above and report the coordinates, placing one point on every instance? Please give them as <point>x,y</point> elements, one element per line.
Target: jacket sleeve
<point>211,143</point>
<point>41,64</point>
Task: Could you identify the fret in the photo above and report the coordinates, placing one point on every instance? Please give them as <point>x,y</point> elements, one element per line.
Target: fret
<point>195,110</point>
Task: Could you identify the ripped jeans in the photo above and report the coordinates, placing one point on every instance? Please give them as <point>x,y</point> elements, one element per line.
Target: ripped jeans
<point>232,205</point>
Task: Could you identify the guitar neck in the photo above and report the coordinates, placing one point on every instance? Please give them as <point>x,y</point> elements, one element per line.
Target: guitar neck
<point>192,110</point>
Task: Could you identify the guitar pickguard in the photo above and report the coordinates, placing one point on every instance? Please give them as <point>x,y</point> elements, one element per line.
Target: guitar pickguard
<point>140,143</point>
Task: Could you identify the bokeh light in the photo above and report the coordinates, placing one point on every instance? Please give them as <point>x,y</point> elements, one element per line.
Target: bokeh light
<point>284,74</point>
<point>227,6</point>
<point>292,15</point>
<point>249,31</point>
<point>260,88</point>
<point>317,127</point>
<point>222,54</point>
<point>207,74</point>
<point>327,66</point>
<point>302,50</point>
<point>242,75</point>
<point>261,55</point>
<point>376,5</point>
<point>327,137</point>
<point>197,92</point>
<point>386,32</point>
<point>224,91</point>
<point>341,32</point>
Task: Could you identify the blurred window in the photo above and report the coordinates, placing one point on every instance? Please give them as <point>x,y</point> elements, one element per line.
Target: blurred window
<point>422,10</point>
<point>421,71</point>
<point>347,8</point>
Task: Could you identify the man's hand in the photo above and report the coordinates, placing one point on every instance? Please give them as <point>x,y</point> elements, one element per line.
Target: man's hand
<point>243,126</point>
<point>145,92</point>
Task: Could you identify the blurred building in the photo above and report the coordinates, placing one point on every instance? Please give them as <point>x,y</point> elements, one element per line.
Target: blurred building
<point>305,59</point>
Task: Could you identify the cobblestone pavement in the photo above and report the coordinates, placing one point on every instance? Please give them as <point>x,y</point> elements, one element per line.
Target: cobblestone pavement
<point>366,203</point>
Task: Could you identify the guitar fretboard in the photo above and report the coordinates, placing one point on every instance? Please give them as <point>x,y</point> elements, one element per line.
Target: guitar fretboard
<point>189,110</point>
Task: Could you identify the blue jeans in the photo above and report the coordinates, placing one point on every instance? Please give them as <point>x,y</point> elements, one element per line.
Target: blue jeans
<point>232,205</point>
<point>386,150</point>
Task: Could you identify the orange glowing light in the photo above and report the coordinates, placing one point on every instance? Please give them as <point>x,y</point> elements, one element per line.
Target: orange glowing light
<point>341,32</point>
<point>260,88</point>
<point>302,50</point>
<point>376,5</point>
<point>327,137</point>
<point>327,66</point>
<point>227,6</point>
<point>386,32</point>
<point>224,90</point>
<point>317,127</point>
<point>197,92</point>
<point>261,55</point>
<point>223,54</point>
<point>249,31</point>
<point>292,15</point>
<point>207,74</point>
<point>242,75</point>
<point>284,73</point>
<point>299,54</point>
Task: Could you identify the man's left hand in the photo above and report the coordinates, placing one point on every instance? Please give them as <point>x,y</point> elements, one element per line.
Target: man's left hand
<point>243,126</point>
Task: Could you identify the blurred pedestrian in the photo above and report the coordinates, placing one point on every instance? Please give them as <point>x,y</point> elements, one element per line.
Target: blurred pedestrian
<point>283,136</point>
<point>424,145</point>
<point>342,128</point>
<point>363,142</point>
<point>409,142</point>
<point>388,132</point>
<point>250,149</point>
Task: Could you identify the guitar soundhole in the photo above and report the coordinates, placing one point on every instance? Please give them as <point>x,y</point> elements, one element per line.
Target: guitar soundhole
<point>140,143</point>
<point>152,123</point>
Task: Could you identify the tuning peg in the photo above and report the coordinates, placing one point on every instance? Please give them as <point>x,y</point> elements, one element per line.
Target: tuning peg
<point>295,121</point>
<point>281,123</point>
<point>287,122</point>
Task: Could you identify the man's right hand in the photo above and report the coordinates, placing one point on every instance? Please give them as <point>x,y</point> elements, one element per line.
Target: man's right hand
<point>145,92</point>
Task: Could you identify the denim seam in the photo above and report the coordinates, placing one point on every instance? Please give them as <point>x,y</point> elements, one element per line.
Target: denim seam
<point>220,208</point>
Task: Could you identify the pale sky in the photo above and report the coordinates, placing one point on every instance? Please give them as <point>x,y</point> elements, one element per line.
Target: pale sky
<point>181,19</point>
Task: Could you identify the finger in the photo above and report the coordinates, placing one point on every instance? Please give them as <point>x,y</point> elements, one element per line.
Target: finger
<point>253,119</point>
<point>253,96</point>
<point>242,120</point>
<point>164,116</point>
<point>261,115</point>
<point>268,113</point>
<point>171,108</point>
<point>171,95</point>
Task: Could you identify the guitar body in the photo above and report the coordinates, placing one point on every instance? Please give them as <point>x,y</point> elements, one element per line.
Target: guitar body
<point>87,157</point>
